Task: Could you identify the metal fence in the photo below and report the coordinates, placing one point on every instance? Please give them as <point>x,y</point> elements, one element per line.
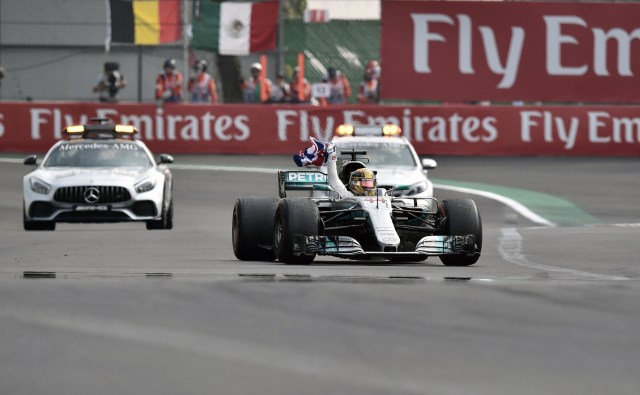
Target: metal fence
<point>55,49</point>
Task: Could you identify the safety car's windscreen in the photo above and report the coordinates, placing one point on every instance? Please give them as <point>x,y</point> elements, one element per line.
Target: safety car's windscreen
<point>379,154</point>
<point>98,154</point>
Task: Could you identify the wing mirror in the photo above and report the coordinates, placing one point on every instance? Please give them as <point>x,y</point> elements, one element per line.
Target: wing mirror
<point>165,158</point>
<point>428,163</point>
<point>30,160</point>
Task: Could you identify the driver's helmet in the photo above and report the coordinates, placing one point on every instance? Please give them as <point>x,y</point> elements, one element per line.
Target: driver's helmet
<point>362,182</point>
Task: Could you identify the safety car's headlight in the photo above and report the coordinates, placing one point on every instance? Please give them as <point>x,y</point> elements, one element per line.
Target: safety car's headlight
<point>146,185</point>
<point>39,186</point>
<point>417,188</point>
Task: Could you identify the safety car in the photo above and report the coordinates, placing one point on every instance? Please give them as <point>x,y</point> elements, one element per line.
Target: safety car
<point>98,172</point>
<point>390,154</point>
<point>381,225</point>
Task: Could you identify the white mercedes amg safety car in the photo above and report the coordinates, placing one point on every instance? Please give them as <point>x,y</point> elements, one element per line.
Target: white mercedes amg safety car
<point>389,153</point>
<point>98,173</point>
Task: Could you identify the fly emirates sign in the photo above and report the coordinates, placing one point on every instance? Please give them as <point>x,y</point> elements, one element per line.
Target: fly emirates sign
<point>271,129</point>
<point>470,51</point>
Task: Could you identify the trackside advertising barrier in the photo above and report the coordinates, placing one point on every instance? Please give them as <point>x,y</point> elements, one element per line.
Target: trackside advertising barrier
<point>33,127</point>
<point>504,51</point>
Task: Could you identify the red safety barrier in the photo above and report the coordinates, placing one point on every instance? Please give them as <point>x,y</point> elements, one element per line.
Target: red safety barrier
<point>285,129</point>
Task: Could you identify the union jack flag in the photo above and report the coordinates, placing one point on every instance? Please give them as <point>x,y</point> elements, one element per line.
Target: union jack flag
<point>316,155</point>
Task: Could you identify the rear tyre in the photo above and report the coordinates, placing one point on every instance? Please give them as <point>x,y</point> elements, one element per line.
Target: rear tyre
<point>36,225</point>
<point>252,228</point>
<point>463,218</point>
<point>294,216</point>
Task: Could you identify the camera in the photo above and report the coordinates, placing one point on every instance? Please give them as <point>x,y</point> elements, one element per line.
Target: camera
<point>114,78</point>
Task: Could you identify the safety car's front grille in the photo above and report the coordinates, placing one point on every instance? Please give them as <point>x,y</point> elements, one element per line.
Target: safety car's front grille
<point>92,194</point>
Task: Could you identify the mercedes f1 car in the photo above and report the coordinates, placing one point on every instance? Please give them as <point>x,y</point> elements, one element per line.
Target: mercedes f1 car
<point>386,226</point>
<point>98,173</point>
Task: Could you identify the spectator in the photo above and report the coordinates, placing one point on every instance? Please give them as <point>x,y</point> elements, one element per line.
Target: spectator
<point>281,91</point>
<point>368,88</point>
<point>169,83</point>
<point>306,88</point>
<point>257,89</point>
<point>202,87</point>
<point>339,85</point>
<point>375,68</point>
<point>110,81</point>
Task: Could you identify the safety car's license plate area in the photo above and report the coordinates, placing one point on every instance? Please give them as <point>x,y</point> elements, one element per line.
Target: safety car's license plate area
<point>93,208</point>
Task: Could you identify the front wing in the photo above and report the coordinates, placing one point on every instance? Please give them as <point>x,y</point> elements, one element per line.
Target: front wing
<point>348,247</point>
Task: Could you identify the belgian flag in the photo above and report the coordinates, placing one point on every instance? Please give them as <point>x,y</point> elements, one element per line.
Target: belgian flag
<point>144,22</point>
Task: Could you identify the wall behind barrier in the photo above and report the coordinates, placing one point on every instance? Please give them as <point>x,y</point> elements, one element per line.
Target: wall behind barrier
<point>286,129</point>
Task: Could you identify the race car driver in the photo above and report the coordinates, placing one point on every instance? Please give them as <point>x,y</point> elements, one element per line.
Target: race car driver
<point>361,182</point>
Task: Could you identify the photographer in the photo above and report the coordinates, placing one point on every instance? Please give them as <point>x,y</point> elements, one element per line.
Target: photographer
<point>110,81</point>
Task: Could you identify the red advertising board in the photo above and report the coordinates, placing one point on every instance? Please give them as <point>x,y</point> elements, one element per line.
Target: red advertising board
<point>506,51</point>
<point>265,129</point>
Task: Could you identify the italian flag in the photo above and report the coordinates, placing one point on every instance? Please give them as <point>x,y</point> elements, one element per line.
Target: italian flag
<point>235,28</point>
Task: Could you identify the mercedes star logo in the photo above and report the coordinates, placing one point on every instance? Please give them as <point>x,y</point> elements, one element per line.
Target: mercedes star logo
<point>91,195</point>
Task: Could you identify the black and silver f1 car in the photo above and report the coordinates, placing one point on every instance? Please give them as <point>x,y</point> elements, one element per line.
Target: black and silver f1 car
<point>383,227</point>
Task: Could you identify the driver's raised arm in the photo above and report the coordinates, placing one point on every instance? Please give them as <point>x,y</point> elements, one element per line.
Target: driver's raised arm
<point>332,176</point>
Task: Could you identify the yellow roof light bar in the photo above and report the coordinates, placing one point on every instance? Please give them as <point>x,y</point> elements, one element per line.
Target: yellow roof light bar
<point>73,129</point>
<point>391,130</point>
<point>388,130</point>
<point>100,131</point>
<point>345,130</point>
<point>125,129</point>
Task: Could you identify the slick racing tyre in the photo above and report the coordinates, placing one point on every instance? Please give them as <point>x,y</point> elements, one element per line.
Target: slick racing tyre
<point>294,216</point>
<point>252,228</point>
<point>463,218</point>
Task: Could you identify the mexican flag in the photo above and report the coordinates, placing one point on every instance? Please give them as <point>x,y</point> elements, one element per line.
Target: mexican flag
<point>234,28</point>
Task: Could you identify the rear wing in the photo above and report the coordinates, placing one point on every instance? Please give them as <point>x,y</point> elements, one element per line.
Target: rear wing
<point>301,181</point>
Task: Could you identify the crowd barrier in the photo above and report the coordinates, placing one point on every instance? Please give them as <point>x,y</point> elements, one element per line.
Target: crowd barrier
<point>285,129</point>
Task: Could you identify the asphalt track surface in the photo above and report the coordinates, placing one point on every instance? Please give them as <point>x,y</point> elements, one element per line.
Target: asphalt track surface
<point>116,309</point>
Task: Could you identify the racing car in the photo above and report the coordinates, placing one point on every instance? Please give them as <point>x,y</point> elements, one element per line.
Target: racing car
<point>98,172</point>
<point>386,226</point>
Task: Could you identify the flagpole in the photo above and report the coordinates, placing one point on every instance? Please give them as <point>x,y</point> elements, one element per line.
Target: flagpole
<point>185,50</point>
<point>139,47</point>
<point>280,62</point>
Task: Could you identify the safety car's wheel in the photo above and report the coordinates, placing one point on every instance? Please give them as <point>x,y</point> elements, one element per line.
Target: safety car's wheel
<point>294,216</point>
<point>36,225</point>
<point>463,218</point>
<point>252,228</point>
<point>165,222</point>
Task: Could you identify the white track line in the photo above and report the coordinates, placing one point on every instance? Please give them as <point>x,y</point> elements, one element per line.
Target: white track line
<point>510,248</point>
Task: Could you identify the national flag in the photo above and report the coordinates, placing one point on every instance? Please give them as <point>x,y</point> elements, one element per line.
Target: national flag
<point>143,22</point>
<point>316,16</point>
<point>317,155</point>
<point>235,28</point>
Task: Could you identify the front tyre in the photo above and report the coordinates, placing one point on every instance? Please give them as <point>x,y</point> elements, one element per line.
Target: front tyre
<point>463,218</point>
<point>295,217</point>
<point>165,222</point>
<point>252,228</point>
